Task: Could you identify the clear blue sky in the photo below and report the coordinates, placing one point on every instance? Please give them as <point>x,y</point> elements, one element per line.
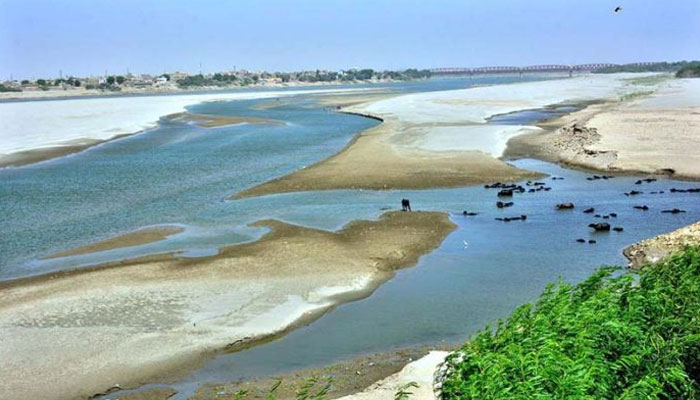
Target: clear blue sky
<point>82,37</point>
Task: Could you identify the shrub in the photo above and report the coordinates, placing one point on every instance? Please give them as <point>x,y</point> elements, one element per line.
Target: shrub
<point>609,337</point>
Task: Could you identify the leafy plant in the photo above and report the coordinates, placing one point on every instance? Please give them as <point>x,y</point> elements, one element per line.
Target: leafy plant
<point>402,393</point>
<point>609,337</point>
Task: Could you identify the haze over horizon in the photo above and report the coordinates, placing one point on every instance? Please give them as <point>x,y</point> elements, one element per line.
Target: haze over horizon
<point>38,37</point>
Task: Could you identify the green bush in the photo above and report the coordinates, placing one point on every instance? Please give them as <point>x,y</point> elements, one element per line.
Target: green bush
<point>610,337</point>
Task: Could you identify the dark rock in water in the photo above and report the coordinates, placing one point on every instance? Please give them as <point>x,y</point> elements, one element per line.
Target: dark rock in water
<point>592,241</point>
<point>505,193</point>
<point>606,216</point>
<point>618,229</point>
<point>597,216</point>
<point>589,210</point>
<point>600,227</point>
<point>638,182</point>
<point>581,240</point>
<point>531,191</point>
<point>565,206</point>
<point>501,204</point>
<point>614,215</point>
<point>547,189</point>
<point>673,211</point>
<point>643,208</point>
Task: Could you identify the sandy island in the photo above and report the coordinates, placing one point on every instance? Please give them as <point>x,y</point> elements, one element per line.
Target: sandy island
<point>651,131</point>
<point>442,139</point>
<point>77,333</point>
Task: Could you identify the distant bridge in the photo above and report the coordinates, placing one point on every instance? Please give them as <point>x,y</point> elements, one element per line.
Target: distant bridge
<point>532,68</point>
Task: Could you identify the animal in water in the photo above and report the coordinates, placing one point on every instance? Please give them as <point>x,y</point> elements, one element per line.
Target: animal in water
<point>673,211</point>
<point>501,204</point>
<point>405,205</point>
<point>598,216</point>
<point>643,208</point>
<point>565,206</point>
<point>633,193</point>
<point>505,193</point>
<point>468,214</point>
<point>614,215</point>
<point>618,229</point>
<point>617,9</point>
<point>600,227</point>
<point>508,219</point>
<point>592,241</point>
<point>580,240</point>
<point>589,210</point>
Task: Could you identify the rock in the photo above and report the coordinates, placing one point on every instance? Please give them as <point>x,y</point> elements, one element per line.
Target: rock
<point>565,206</point>
<point>592,241</point>
<point>643,208</point>
<point>581,240</point>
<point>589,210</point>
<point>618,229</point>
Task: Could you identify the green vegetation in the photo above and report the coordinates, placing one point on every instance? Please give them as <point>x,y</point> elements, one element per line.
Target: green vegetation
<point>655,67</point>
<point>692,70</point>
<point>636,95</point>
<point>4,88</point>
<point>609,337</point>
<point>648,80</point>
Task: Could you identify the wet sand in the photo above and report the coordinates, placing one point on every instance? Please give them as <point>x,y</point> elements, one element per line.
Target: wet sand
<point>140,321</point>
<point>139,237</point>
<point>439,139</point>
<point>213,121</point>
<point>647,133</point>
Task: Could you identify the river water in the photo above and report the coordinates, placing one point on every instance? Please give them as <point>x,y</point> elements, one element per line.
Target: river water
<point>181,174</point>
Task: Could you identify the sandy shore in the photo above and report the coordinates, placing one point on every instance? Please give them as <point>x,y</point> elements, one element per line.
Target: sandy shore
<point>139,237</point>
<point>134,322</point>
<point>650,133</point>
<point>440,139</point>
<point>32,131</point>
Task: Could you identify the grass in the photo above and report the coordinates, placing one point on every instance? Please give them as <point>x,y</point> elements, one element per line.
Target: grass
<point>609,337</point>
<point>636,95</point>
<point>648,80</point>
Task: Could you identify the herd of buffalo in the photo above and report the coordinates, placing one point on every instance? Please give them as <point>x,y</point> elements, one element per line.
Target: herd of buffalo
<point>509,190</point>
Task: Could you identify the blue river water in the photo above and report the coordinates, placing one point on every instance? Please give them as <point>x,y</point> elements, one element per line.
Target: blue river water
<point>182,174</point>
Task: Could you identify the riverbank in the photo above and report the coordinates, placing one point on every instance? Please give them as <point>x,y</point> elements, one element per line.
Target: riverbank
<point>441,139</point>
<point>648,131</point>
<point>655,249</point>
<point>33,131</point>
<point>134,322</point>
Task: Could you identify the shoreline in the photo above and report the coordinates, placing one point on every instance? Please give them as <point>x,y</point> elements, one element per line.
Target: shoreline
<point>440,139</point>
<point>645,135</point>
<point>62,127</point>
<point>63,317</point>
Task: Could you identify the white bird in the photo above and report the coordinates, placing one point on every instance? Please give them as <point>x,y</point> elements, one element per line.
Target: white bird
<point>466,244</point>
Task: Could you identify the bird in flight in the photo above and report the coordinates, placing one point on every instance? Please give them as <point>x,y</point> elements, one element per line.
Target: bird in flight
<point>618,9</point>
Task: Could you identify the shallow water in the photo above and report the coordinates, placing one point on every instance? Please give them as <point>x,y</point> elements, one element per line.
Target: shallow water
<point>177,173</point>
<point>455,291</point>
<point>181,174</point>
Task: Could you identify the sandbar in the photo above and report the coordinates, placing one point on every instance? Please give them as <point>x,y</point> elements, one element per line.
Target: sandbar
<point>139,321</point>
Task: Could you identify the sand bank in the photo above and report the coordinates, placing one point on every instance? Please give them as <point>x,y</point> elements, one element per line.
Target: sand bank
<point>213,121</point>
<point>139,237</point>
<point>420,372</point>
<point>74,334</point>
<point>440,139</point>
<point>28,126</point>
<point>650,133</point>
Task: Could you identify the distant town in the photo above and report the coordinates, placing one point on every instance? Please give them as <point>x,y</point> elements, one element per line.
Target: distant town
<point>175,81</point>
<point>226,79</point>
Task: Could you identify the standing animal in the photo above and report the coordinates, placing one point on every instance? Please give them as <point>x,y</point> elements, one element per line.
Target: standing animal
<point>405,205</point>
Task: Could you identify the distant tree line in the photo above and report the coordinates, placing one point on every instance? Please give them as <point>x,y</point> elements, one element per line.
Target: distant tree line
<point>670,67</point>
<point>691,70</point>
<point>353,75</point>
